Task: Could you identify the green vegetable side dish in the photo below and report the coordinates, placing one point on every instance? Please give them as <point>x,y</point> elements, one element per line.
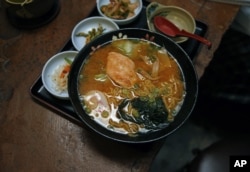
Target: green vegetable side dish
<point>92,34</point>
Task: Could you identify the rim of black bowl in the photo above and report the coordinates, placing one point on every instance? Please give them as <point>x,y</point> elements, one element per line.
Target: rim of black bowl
<point>173,49</point>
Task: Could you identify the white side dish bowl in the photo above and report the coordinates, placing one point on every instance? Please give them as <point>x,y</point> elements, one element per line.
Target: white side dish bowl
<point>87,25</point>
<point>52,69</point>
<point>137,11</point>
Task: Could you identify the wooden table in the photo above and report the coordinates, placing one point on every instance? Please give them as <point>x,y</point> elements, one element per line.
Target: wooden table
<point>34,138</point>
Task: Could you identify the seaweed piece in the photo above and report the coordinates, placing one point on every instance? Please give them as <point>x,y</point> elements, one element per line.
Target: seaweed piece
<point>152,114</point>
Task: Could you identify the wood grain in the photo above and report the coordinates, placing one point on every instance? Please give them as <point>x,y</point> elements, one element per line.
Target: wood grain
<point>33,138</point>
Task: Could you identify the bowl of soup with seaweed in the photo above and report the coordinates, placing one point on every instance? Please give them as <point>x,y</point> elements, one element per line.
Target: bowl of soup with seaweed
<point>133,85</point>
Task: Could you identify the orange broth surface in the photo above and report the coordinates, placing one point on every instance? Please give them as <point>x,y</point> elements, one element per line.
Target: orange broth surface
<point>94,83</point>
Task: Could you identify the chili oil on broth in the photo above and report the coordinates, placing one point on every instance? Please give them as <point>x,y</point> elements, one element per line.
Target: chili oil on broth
<point>153,100</point>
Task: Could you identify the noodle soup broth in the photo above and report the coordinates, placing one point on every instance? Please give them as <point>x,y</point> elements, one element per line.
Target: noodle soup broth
<point>131,86</point>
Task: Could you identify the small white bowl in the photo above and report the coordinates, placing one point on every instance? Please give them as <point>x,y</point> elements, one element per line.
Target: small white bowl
<point>177,15</point>
<point>49,70</point>
<point>87,25</point>
<point>137,11</point>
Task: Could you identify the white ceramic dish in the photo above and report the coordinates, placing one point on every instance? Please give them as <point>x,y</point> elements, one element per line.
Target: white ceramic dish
<point>87,25</point>
<point>49,70</point>
<point>179,16</point>
<point>137,11</point>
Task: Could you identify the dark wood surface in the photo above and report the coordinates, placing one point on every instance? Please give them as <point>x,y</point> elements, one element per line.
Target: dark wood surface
<point>34,138</point>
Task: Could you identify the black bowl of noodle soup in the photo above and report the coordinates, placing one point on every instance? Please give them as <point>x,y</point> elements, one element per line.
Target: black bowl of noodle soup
<point>133,86</point>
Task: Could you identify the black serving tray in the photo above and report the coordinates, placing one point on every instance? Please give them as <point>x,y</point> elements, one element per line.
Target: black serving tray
<point>64,107</point>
